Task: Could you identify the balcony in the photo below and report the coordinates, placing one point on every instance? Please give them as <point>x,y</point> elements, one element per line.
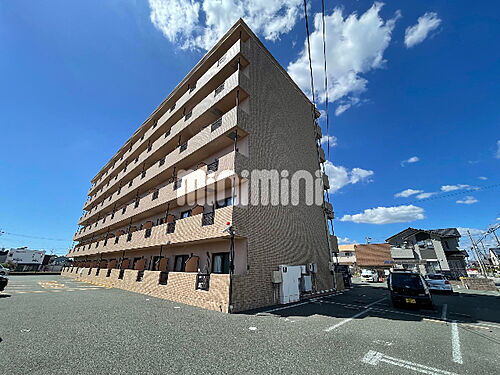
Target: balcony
<point>203,114</point>
<point>156,201</point>
<point>158,127</point>
<point>189,229</point>
<point>402,253</point>
<point>202,144</point>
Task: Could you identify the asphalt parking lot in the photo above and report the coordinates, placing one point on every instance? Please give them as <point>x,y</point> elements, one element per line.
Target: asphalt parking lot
<point>55,325</point>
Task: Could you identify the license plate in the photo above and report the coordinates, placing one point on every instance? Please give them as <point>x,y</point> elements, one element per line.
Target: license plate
<point>410,300</point>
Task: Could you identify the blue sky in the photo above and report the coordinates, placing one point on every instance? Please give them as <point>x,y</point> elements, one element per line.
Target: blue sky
<point>79,77</point>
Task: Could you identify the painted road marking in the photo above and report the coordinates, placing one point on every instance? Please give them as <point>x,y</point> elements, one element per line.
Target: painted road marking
<point>455,343</point>
<point>374,358</point>
<point>444,311</point>
<point>284,307</point>
<point>329,329</point>
<point>374,303</point>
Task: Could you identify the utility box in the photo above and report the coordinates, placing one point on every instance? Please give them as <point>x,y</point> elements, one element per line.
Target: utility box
<point>276,277</point>
<point>307,283</point>
<point>289,287</point>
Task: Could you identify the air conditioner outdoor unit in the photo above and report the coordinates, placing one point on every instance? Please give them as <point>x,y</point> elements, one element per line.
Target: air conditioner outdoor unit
<point>312,267</point>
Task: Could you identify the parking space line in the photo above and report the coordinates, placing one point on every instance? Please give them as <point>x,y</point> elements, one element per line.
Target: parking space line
<point>444,311</point>
<point>374,303</point>
<point>329,329</point>
<point>455,343</point>
<point>284,307</point>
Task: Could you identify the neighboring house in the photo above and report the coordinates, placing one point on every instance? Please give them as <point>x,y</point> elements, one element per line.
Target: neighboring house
<point>429,251</point>
<point>347,255</point>
<point>25,259</point>
<point>375,256</point>
<point>495,256</point>
<point>237,111</point>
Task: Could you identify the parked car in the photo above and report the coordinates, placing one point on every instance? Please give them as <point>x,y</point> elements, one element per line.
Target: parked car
<point>369,276</point>
<point>4,280</point>
<point>409,288</point>
<point>438,283</point>
<point>4,270</point>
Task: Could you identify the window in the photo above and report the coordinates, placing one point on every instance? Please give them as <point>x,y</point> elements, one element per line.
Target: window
<point>180,263</point>
<point>147,233</point>
<point>213,166</point>
<point>224,202</point>
<point>216,124</point>
<point>221,60</point>
<point>185,214</point>
<point>183,147</point>
<point>220,263</point>
<point>219,89</point>
<point>167,133</point>
<point>162,161</point>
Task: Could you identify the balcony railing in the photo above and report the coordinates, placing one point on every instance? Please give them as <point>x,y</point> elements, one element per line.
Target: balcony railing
<point>208,218</point>
<point>163,195</point>
<point>199,110</point>
<point>232,52</point>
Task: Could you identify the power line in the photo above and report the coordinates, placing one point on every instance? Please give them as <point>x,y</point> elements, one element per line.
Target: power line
<point>326,79</point>
<point>309,53</point>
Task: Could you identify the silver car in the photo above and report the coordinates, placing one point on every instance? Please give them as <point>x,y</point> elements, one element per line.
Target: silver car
<point>438,283</point>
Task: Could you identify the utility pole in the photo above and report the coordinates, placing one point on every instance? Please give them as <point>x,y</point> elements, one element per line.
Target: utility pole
<point>474,248</point>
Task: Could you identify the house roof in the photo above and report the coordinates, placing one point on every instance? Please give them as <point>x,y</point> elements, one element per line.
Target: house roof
<point>374,255</point>
<point>445,233</point>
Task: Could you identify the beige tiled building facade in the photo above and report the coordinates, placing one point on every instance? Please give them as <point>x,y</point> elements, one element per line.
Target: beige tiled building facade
<point>237,111</point>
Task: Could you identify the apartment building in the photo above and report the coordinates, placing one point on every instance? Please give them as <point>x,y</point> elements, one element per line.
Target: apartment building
<point>173,213</point>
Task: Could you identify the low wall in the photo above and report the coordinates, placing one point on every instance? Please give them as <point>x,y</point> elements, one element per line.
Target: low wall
<point>180,286</point>
<point>478,283</point>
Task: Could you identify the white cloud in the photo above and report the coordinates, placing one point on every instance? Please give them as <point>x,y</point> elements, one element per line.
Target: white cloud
<point>346,240</point>
<point>200,24</point>
<point>469,199</point>
<point>355,45</point>
<point>406,193</point>
<point>340,176</point>
<point>411,160</point>
<point>483,178</point>
<point>331,138</point>
<point>417,33</point>
<point>387,215</point>
<point>425,195</point>
<point>497,154</point>
<point>448,188</point>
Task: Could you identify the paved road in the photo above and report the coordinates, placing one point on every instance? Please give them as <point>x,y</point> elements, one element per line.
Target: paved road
<point>54,325</point>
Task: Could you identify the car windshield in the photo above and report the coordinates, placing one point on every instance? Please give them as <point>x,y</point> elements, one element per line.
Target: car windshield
<point>435,277</point>
<point>406,280</point>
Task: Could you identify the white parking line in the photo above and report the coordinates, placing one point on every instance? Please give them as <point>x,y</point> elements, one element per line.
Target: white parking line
<point>374,303</point>
<point>374,358</point>
<point>329,329</point>
<point>444,311</point>
<point>285,307</point>
<point>455,343</point>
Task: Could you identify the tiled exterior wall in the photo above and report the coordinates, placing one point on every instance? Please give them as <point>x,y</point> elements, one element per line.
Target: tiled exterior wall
<point>180,286</point>
<point>282,137</point>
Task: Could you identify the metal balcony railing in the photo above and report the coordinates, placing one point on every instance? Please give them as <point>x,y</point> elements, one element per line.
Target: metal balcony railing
<point>207,218</point>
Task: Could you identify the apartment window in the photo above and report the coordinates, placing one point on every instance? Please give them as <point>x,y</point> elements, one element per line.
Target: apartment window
<point>167,133</point>
<point>155,195</point>
<point>213,166</point>
<point>162,161</point>
<point>216,124</point>
<point>224,202</point>
<point>219,89</point>
<point>207,218</point>
<point>183,147</point>
<point>180,263</point>
<point>188,115</point>
<point>185,214</point>
<point>221,60</point>
<point>171,227</point>
<point>220,263</point>
<point>147,233</point>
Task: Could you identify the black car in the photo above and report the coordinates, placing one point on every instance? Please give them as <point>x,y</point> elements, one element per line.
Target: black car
<point>3,282</point>
<point>409,288</point>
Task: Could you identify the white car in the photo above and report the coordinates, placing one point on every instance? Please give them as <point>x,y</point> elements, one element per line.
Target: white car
<point>4,271</point>
<point>369,275</point>
<point>438,283</point>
